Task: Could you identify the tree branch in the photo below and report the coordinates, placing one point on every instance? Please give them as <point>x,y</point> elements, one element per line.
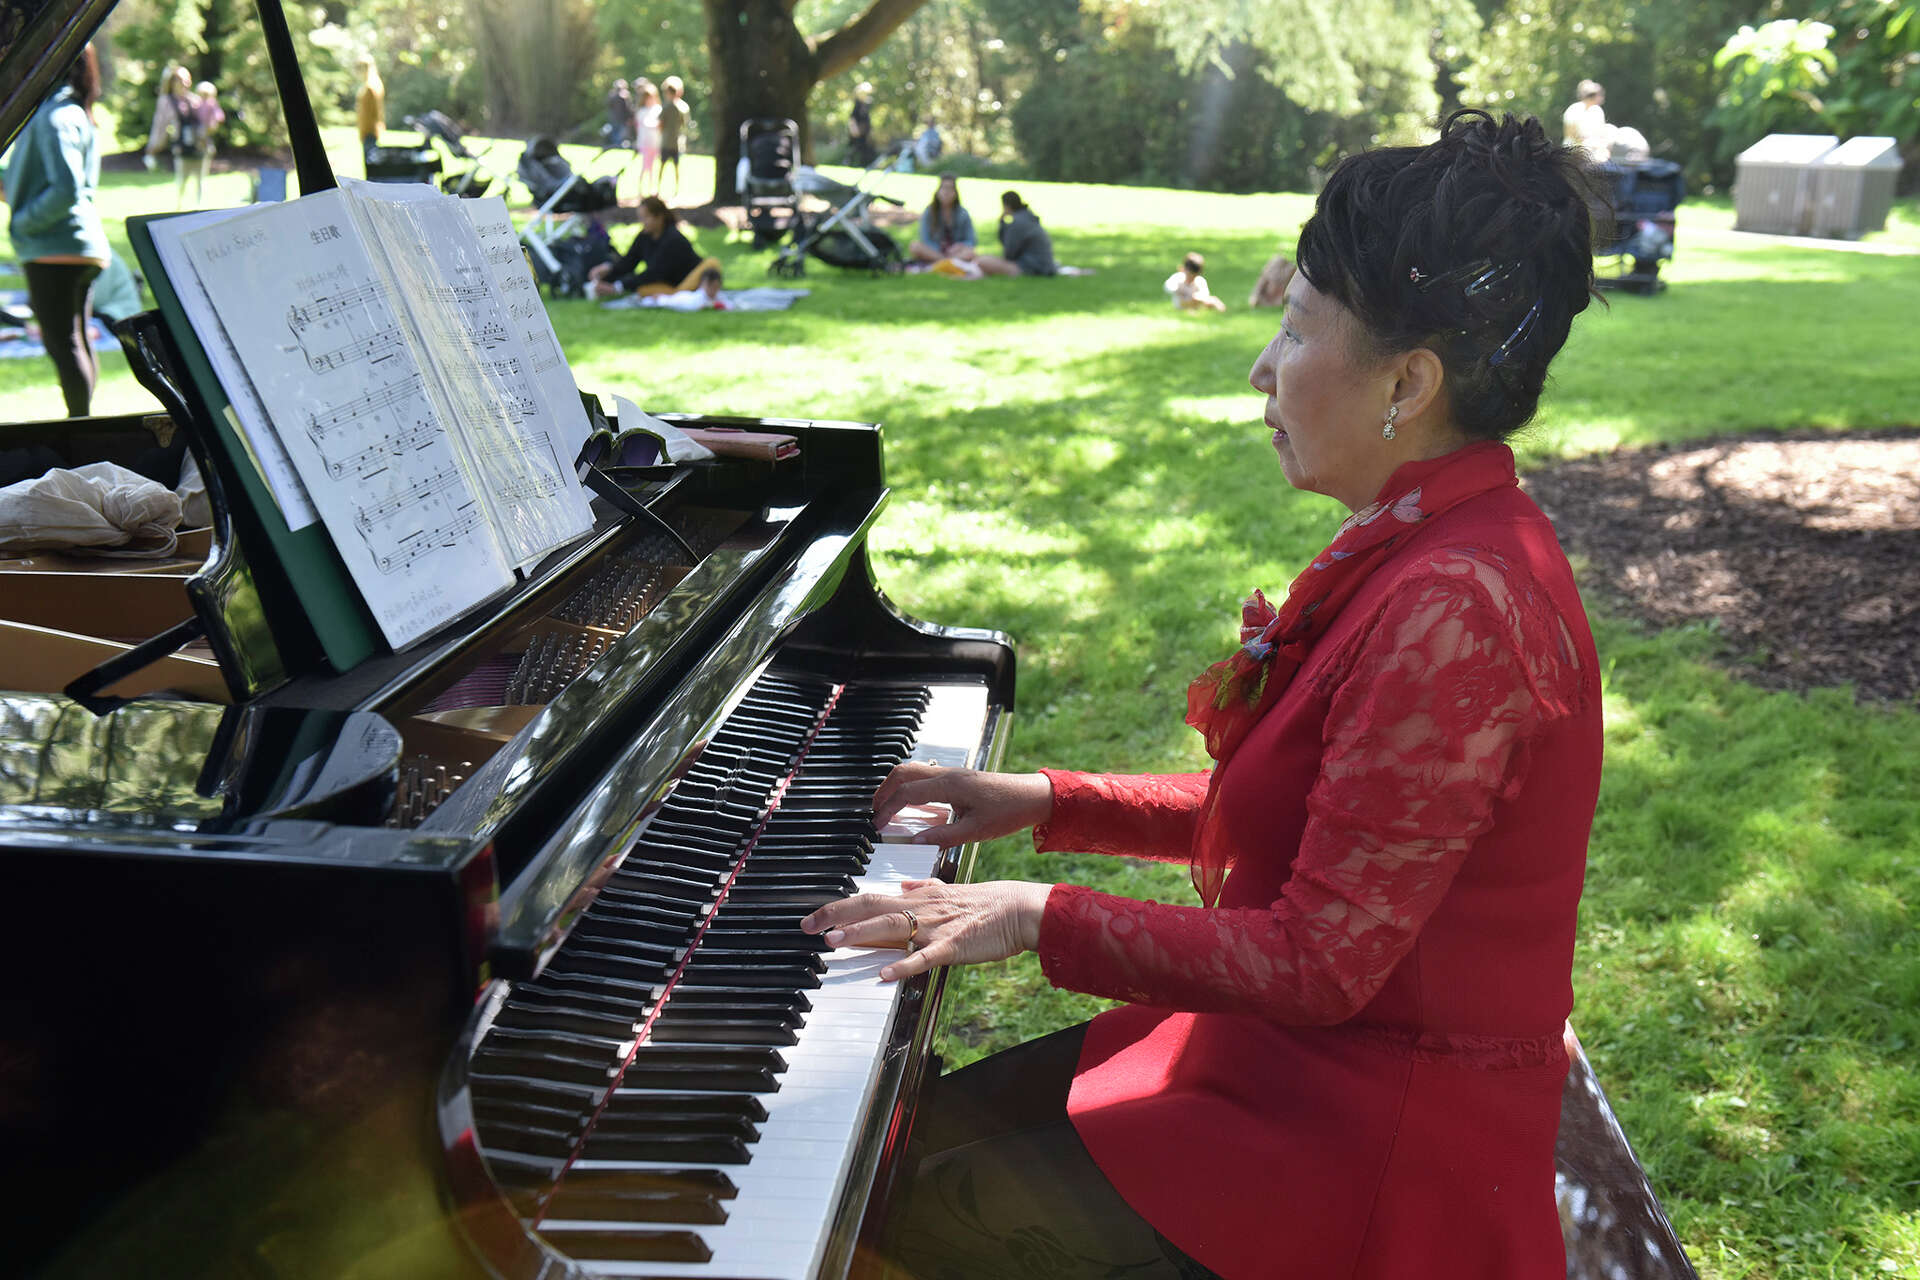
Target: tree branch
<point>838,50</point>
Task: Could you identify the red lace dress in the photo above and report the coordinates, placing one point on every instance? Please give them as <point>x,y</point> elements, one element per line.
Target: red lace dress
<point>1352,1066</point>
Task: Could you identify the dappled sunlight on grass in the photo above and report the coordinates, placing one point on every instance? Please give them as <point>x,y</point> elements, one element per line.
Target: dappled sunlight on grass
<point>1081,466</point>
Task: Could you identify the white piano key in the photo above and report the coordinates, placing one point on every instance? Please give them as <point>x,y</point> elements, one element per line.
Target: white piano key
<point>777,1225</point>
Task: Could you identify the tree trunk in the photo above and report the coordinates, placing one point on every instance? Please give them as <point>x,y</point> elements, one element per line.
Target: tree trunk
<point>761,67</point>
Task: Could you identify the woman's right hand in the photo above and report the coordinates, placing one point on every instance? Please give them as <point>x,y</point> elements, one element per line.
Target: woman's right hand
<point>599,270</point>
<point>984,805</point>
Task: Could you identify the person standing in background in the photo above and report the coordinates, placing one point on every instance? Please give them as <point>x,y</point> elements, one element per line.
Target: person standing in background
<point>176,94</point>
<point>646,140</point>
<point>860,126</point>
<point>197,159</point>
<point>1584,124</point>
<point>51,179</point>
<point>619,114</point>
<point>370,107</point>
<point>673,130</point>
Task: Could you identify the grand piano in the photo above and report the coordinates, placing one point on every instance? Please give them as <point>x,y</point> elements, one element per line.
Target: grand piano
<point>479,957</point>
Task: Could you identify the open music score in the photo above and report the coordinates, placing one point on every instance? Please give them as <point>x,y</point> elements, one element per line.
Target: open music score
<point>379,339</point>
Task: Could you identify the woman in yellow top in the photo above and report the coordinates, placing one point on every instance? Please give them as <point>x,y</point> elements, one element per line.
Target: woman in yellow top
<point>370,108</point>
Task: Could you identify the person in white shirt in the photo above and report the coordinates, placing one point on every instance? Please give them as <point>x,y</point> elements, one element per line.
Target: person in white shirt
<point>1584,124</point>
<point>1188,288</point>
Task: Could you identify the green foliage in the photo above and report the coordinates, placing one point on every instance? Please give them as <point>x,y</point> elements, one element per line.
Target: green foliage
<point>425,55</point>
<point>1654,59</point>
<point>1876,84</point>
<point>1773,76</point>
<point>655,39</point>
<point>218,40</point>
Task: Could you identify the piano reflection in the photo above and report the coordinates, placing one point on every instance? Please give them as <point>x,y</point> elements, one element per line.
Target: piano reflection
<point>479,956</point>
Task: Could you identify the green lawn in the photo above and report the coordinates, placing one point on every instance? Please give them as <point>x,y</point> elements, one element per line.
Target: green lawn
<point>1081,466</point>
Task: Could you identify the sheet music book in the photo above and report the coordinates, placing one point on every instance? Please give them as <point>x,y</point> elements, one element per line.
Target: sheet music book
<point>414,402</point>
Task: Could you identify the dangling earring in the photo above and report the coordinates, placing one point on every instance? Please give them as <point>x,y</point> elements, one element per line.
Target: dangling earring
<point>1386,432</point>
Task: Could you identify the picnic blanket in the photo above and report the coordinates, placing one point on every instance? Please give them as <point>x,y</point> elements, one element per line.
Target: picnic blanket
<point>763,298</point>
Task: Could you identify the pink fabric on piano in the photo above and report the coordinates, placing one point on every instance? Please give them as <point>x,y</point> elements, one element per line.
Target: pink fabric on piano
<point>1352,1066</point>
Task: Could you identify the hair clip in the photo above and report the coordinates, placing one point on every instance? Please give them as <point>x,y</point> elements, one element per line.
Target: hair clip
<point>1514,339</point>
<point>1482,275</point>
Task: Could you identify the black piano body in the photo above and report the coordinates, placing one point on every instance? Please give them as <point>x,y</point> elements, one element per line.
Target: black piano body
<point>360,973</point>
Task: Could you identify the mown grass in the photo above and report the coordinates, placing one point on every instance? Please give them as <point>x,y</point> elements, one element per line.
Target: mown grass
<point>1080,466</point>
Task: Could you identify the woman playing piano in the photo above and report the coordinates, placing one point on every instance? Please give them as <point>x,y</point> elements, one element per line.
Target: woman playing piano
<point>1347,1061</point>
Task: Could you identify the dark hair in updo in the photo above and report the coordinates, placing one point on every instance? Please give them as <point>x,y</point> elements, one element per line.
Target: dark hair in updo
<point>1399,235</point>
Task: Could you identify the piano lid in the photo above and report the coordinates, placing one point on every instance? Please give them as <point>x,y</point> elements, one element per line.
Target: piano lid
<point>191,766</point>
<point>39,39</point>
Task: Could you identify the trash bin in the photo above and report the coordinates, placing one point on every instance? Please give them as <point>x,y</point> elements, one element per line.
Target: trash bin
<point>402,164</point>
<point>1853,187</point>
<point>1773,182</point>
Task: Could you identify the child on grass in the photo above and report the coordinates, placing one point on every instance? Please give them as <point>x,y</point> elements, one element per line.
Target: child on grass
<point>1188,287</point>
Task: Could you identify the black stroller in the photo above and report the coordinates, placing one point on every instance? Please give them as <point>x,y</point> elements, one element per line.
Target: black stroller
<point>564,200</point>
<point>764,178</point>
<point>556,187</point>
<point>1643,197</point>
<point>844,235</point>
<point>440,129</point>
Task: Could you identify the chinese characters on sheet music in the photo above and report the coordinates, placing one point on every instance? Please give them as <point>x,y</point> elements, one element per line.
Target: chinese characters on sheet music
<point>403,400</point>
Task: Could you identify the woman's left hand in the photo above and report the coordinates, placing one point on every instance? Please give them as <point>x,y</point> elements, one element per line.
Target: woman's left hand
<point>946,923</point>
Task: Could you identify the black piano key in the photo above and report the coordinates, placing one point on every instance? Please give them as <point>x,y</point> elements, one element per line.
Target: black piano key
<point>775,864</point>
<point>794,1002</point>
<point>689,891</point>
<point>590,987</point>
<point>684,1030</point>
<point>781,1014</point>
<point>577,962</point>
<point>668,1074</point>
<point>543,1017</point>
<point>573,1070</point>
<point>784,978</point>
<point>773,958</point>
<point>666,1148</point>
<point>577,1198</point>
<point>723,938</point>
<point>489,1111</point>
<point>619,937</point>
<point>803,900</point>
<point>652,904</point>
<point>636,1106</point>
<point>640,1244</point>
<point>713,1183</point>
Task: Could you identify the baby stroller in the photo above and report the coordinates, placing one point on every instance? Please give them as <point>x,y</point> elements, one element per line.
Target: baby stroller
<point>764,178</point>
<point>440,129</point>
<point>844,235</point>
<point>1643,197</point>
<point>563,198</point>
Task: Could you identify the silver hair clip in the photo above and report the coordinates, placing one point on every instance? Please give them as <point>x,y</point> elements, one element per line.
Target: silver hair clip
<point>1514,339</point>
<point>1482,275</point>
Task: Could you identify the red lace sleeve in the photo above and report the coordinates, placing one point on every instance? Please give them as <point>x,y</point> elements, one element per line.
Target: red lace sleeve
<point>1425,732</point>
<point>1133,815</point>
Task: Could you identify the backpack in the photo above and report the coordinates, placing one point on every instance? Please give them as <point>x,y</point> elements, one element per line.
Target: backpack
<point>186,125</point>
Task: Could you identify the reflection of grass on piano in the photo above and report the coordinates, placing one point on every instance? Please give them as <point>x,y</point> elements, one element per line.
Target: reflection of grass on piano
<point>1078,464</point>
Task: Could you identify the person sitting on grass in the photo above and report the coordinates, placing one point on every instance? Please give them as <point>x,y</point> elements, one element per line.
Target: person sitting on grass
<point>946,229</point>
<point>660,260</point>
<point>1188,287</point>
<point>1025,247</point>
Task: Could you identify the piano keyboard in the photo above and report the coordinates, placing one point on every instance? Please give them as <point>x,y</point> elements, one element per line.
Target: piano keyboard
<point>681,1091</point>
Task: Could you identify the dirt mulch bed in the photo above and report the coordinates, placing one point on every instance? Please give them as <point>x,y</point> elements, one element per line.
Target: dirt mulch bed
<point>1803,546</point>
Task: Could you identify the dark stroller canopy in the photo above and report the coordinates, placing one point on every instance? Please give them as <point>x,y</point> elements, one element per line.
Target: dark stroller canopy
<point>437,124</point>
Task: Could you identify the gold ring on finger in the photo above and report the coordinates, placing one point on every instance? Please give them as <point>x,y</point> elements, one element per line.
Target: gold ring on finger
<point>913,926</point>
